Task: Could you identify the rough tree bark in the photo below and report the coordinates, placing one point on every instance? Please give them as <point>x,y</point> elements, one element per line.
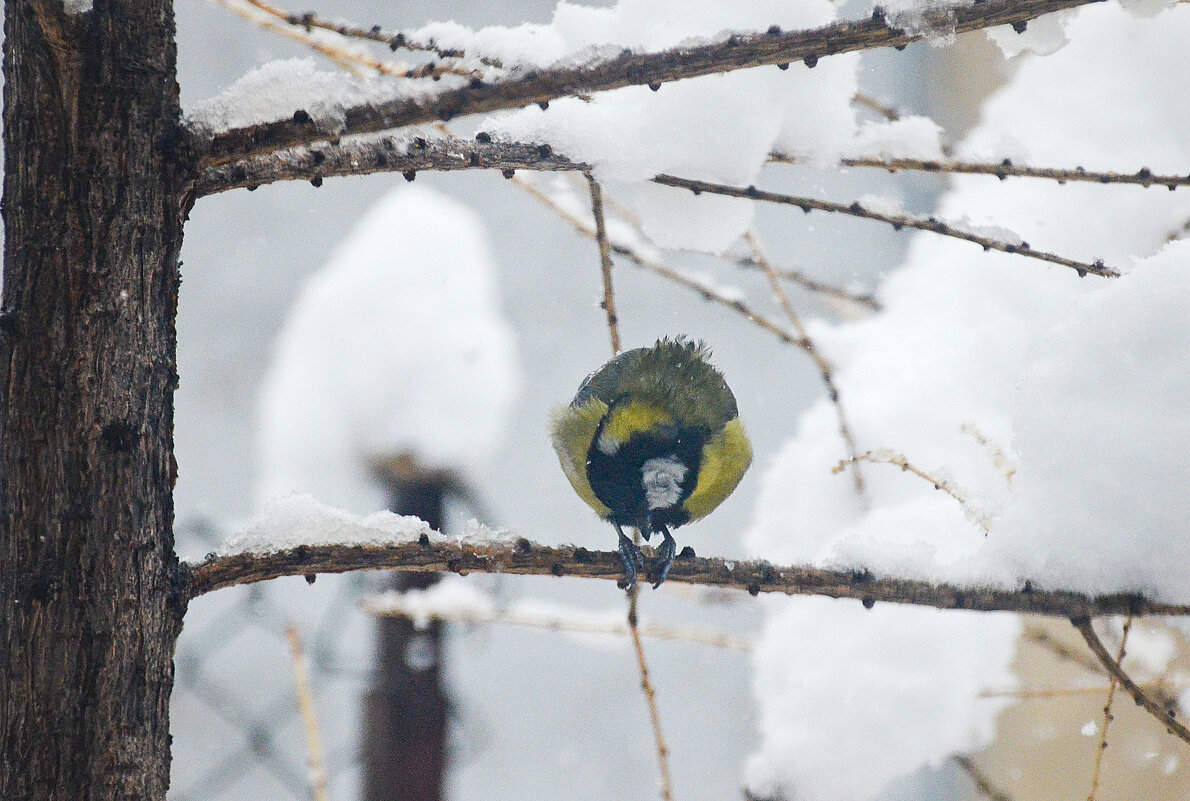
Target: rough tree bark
<point>95,194</point>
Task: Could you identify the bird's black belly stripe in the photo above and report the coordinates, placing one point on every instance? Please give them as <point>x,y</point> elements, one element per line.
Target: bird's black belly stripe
<point>617,478</point>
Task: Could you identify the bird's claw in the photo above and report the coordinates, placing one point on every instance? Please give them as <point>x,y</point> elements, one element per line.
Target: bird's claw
<point>632,560</point>
<point>659,569</point>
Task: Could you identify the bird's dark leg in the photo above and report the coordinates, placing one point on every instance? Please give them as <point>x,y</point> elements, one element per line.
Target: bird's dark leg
<point>659,569</point>
<point>631,557</point>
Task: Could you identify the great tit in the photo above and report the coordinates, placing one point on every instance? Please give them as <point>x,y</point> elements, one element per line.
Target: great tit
<point>652,440</point>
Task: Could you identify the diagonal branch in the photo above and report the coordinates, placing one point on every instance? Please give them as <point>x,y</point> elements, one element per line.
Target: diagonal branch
<point>738,51</point>
<point>433,552</point>
<point>897,221</point>
<point>1083,624</point>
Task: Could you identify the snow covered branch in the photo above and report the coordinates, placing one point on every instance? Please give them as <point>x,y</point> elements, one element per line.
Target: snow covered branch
<point>522,557</point>
<point>896,220</point>
<point>367,155</point>
<point>738,51</point>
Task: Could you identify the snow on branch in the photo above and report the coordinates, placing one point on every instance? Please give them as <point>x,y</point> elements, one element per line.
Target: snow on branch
<point>512,555</point>
<point>366,155</point>
<point>896,220</point>
<point>738,51</point>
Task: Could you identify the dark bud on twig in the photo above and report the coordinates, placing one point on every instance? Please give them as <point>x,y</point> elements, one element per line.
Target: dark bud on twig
<point>811,61</point>
<point>1021,26</point>
<point>508,173</point>
<point>484,137</point>
<point>409,175</point>
<point>302,117</point>
<point>655,85</point>
<point>316,181</point>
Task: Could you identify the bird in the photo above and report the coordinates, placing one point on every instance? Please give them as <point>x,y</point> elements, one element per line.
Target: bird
<point>652,440</point>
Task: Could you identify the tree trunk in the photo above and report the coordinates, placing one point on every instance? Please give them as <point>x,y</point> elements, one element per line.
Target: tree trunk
<point>95,194</point>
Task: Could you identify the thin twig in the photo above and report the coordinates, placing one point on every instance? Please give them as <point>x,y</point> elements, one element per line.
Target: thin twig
<point>1107,715</point>
<point>982,783</point>
<point>1043,639</point>
<point>1006,169</point>
<point>397,605</point>
<point>1083,624</point>
<point>708,293</point>
<point>897,221</point>
<point>808,283</point>
<point>889,457</point>
<point>394,40</point>
<point>867,101</point>
<point>605,262</point>
<point>996,454</point>
<point>519,556</point>
<point>336,55</point>
<point>646,687</point>
<point>824,367</point>
<point>738,51</point>
<point>305,698</point>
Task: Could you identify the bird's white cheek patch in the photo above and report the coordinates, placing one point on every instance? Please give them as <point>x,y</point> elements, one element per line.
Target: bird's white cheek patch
<point>662,479</point>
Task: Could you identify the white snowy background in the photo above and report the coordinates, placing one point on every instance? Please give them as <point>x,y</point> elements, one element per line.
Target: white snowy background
<point>301,358</point>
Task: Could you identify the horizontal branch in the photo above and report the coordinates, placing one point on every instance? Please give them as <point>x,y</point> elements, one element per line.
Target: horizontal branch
<point>1006,169</point>
<point>364,156</point>
<point>522,557</point>
<point>897,221</point>
<point>738,51</point>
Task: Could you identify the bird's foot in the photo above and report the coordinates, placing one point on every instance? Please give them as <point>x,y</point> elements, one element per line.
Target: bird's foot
<point>660,566</point>
<point>632,559</point>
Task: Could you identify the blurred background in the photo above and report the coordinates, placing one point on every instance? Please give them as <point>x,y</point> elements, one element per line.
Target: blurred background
<point>531,713</point>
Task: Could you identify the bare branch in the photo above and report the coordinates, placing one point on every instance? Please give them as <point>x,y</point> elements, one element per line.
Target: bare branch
<point>897,221</point>
<point>394,40</point>
<point>605,262</point>
<point>642,261</point>
<point>811,285</point>
<point>394,604</point>
<point>301,678</point>
<point>1006,169</point>
<point>367,155</point>
<point>825,370</point>
<point>980,779</point>
<point>738,51</point>
<point>522,557</point>
<point>1083,624</point>
<point>883,456</point>
<point>1097,772</point>
<point>646,686</point>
